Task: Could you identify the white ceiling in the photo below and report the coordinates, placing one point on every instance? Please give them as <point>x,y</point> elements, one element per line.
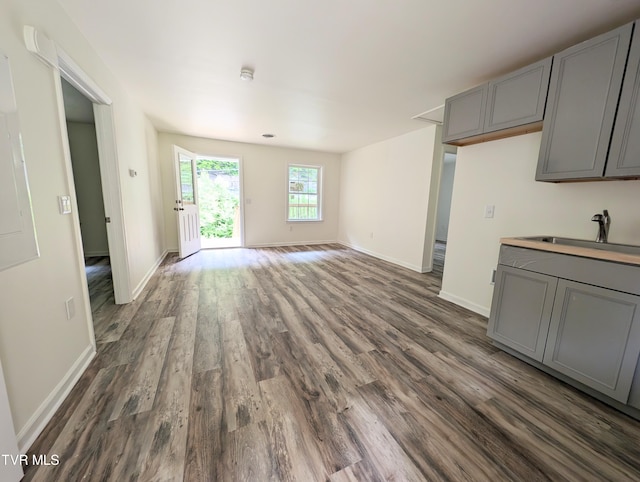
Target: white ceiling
<point>330,75</point>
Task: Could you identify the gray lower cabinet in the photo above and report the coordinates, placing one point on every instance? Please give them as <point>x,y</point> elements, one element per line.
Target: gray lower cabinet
<point>464,114</point>
<point>576,318</point>
<point>624,156</point>
<point>594,337</point>
<point>521,310</point>
<point>583,97</point>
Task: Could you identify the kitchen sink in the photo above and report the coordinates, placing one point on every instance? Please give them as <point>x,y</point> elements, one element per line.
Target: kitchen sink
<point>584,243</point>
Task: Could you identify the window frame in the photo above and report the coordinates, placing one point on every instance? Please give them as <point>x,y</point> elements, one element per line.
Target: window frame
<point>319,169</point>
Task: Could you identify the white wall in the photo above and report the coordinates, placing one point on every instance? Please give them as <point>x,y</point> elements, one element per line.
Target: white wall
<point>385,195</point>
<point>502,173</point>
<point>40,349</point>
<point>444,196</point>
<point>264,189</point>
<point>86,175</point>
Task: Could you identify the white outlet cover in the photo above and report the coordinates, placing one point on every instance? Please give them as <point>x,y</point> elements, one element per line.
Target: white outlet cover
<point>489,210</point>
<point>71,308</point>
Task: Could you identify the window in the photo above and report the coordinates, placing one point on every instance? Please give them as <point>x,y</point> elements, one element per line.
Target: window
<point>303,200</point>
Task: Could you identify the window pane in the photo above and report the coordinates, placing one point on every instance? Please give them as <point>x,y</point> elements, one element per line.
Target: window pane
<point>186,180</point>
<point>303,196</point>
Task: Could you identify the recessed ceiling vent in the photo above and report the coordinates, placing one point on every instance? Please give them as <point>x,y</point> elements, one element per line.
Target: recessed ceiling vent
<point>433,116</point>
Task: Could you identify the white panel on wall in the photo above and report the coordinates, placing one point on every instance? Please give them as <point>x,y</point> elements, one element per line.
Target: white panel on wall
<point>17,233</point>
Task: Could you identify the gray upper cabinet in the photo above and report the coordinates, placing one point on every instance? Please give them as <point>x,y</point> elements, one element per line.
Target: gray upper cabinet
<point>624,156</point>
<point>518,98</point>
<point>583,98</point>
<point>514,100</point>
<point>464,114</point>
<point>521,310</point>
<point>594,337</point>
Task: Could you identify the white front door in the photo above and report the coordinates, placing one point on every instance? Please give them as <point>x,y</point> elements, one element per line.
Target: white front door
<point>186,205</point>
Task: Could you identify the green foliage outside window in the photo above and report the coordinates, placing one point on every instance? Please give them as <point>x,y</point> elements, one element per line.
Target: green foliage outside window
<point>218,204</point>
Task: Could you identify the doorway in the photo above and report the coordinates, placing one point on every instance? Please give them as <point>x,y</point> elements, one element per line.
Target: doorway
<point>443,211</point>
<point>219,195</point>
<point>85,164</point>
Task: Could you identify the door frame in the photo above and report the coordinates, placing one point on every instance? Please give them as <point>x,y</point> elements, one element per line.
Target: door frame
<point>109,170</point>
<point>65,67</point>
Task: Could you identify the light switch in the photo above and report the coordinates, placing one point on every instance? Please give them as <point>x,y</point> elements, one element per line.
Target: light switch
<point>70,305</point>
<point>489,209</point>
<point>64,203</point>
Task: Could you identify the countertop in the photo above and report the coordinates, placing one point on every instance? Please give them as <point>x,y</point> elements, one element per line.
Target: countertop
<point>603,254</point>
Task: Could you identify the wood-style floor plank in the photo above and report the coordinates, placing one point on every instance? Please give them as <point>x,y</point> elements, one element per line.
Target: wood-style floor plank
<point>316,363</point>
<point>140,393</point>
<point>207,436</point>
<point>242,400</point>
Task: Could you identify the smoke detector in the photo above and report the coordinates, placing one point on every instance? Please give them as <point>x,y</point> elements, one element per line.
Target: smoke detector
<point>246,74</point>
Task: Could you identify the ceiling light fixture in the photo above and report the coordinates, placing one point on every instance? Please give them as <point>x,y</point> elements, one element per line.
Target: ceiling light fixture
<point>246,74</point>
<point>268,136</point>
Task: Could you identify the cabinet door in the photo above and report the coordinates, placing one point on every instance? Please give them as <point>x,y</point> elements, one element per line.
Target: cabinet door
<point>464,114</point>
<point>521,310</point>
<point>583,98</point>
<point>624,156</point>
<point>518,98</point>
<point>594,337</point>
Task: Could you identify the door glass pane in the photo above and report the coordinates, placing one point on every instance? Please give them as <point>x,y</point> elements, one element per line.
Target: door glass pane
<point>186,180</point>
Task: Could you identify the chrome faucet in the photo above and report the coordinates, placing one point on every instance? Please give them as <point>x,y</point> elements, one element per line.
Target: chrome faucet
<point>604,222</point>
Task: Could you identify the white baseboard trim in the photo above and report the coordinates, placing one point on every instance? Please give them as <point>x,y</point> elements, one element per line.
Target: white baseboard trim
<point>273,245</point>
<point>399,262</point>
<point>289,243</point>
<point>34,426</point>
<point>148,275</point>
<point>476,308</point>
<point>95,254</point>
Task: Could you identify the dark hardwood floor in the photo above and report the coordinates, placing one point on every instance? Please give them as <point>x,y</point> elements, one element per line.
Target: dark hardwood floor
<point>318,363</point>
<point>98,272</point>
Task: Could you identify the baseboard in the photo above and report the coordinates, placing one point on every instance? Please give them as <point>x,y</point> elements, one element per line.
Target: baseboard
<point>399,262</point>
<point>34,426</point>
<point>148,275</point>
<point>481,310</point>
<point>289,243</point>
<point>95,254</point>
